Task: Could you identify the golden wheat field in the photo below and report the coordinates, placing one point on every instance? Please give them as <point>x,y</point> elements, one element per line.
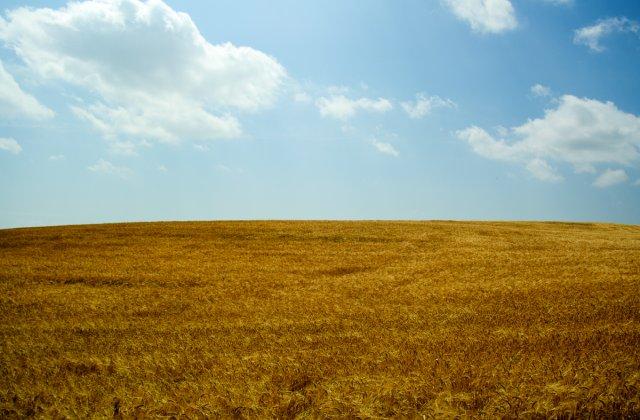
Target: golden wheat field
<point>320,319</point>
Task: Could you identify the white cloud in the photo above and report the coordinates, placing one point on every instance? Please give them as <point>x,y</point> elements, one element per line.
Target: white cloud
<point>106,167</point>
<point>162,168</point>
<point>385,148</point>
<point>543,171</point>
<point>201,147</point>
<point>56,157</point>
<point>611,177</point>
<point>591,35</point>
<point>14,102</point>
<point>502,130</point>
<point>154,75</point>
<point>540,90</point>
<point>485,16</point>
<point>228,169</point>
<point>167,122</point>
<point>338,90</point>
<point>579,131</point>
<point>485,145</point>
<point>423,105</point>
<point>348,129</point>
<point>302,97</point>
<point>10,145</point>
<point>222,168</point>
<point>122,147</point>
<point>584,168</point>
<point>343,108</point>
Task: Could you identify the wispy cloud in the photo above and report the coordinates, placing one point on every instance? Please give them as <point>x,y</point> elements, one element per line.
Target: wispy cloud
<point>343,108</point>
<point>15,103</point>
<point>423,105</point>
<point>106,167</point>
<point>228,169</point>
<point>611,177</point>
<point>540,90</point>
<point>385,148</point>
<point>302,97</point>
<point>591,35</point>
<point>10,145</point>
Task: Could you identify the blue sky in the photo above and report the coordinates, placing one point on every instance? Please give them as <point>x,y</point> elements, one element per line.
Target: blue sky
<point>454,109</point>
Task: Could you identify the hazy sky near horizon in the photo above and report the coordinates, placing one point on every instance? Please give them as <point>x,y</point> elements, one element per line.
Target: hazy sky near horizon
<point>131,110</point>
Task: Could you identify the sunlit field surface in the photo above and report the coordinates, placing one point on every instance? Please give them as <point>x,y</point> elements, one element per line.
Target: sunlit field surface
<point>315,319</point>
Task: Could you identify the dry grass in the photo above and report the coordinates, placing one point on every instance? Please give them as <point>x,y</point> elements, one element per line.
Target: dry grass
<point>317,319</point>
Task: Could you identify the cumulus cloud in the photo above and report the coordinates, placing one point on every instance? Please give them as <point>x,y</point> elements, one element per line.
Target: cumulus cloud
<point>14,102</point>
<point>157,120</point>
<point>10,145</point>
<point>343,108</point>
<point>385,148</point>
<point>423,105</point>
<point>543,171</point>
<point>485,16</point>
<point>154,76</point>
<point>106,167</point>
<point>611,177</point>
<point>591,35</point>
<point>540,90</point>
<point>486,145</point>
<point>581,132</point>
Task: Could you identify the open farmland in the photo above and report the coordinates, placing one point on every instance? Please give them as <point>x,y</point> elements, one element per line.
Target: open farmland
<point>315,319</point>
